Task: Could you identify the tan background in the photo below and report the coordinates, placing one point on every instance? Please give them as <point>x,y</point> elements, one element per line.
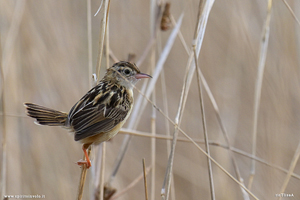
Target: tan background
<point>44,59</point>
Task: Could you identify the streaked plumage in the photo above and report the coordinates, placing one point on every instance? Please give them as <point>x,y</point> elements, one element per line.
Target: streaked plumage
<point>98,115</point>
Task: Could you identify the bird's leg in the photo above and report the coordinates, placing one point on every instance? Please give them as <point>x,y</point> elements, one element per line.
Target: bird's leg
<point>86,162</point>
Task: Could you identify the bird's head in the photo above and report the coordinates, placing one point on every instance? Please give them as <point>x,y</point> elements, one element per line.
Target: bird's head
<point>125,74</point>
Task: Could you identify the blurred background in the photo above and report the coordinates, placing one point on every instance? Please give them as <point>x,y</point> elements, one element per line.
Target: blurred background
<point>44,60</point>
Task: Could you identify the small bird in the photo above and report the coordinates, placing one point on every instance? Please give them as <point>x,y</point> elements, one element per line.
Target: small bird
<point>98,115</point>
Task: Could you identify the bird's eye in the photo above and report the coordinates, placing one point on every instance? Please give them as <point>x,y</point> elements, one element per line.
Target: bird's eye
<point>127,71</point>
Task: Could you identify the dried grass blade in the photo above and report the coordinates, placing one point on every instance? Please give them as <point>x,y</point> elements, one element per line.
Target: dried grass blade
<point>291,170</point>
<point>258,86</point>
<point>210,174</point>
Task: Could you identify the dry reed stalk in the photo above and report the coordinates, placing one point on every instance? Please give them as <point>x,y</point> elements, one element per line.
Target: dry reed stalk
<point>145,179</point>
<point>103,31</point>
<point>102,171</point>
<point>90,44</point>
<point>216,109</point>
<point>165,103</point>
<point>180,35</point>
<point>131,185</point>
<point>139,108</point>
<point>12,36</point>
<point>260,73</point>
<point>102,35</point>
<point>213,143</point>
<point>4,146</point>
<point>291,170</point>
<point>210,174</point>
<point>153,142</point>
<point>201,25</point>
<point>5,58</point>
<point>167,127</point>
<point>292,12</point>
<point>102,148</point>
<point>193,141</point>
<point>153,16</point>
<point>82,178</point>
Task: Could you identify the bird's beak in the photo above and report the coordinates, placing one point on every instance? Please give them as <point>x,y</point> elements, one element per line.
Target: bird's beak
<point>142,75</point>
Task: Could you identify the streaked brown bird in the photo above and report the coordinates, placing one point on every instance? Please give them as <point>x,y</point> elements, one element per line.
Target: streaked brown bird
<point>98,115</point>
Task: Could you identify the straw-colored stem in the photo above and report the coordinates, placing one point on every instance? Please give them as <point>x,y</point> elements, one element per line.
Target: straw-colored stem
<point>3,147</point>
<point>102,35</point>
<point>145,179</point>
<point>180,36</point>
<point>153,131</point>
<point>291,170</point>
<point>212,143</point>
<point>89,38</point>
<point>102,171</point>
<point>210,174</point>
<point>103,146</point>
<point>5,60</point>
<point>258,86</point>
<point>291,11</point>
<point>153,10</point>
<point>82,178</point>
<point>165,109</point>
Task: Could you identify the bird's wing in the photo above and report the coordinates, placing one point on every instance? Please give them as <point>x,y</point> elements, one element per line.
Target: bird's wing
<point>100,110</point>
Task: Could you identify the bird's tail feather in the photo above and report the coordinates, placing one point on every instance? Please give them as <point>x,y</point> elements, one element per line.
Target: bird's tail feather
<point>46,116</point>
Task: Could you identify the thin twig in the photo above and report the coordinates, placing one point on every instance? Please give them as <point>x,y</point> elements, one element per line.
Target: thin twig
<point>210,174</point>
<point>258,85</point>
<point>145,179</point>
